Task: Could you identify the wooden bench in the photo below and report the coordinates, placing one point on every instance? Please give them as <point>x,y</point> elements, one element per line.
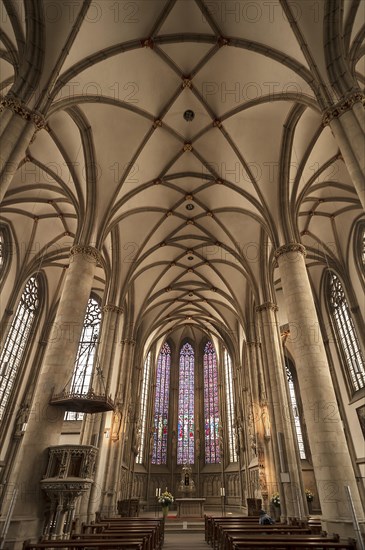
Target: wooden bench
<point>147,537</point>
<point>130,544</point>
<point>287,544</point>
<point>153,528</point>
<point>242,527</point>
<point>231,540</point>
<point>209,523</point>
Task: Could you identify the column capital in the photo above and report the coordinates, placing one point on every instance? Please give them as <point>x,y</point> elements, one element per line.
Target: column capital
<point>290,247</point>
<point>267,306</point>
<point>87,251</point>
<point>345,104</point>
<point>113,308</point>
<point>253,344</point>
<point>128,341</point>
<point>16,106</point>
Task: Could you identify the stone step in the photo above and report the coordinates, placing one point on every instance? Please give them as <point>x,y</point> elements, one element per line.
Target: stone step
<point>190,526</point>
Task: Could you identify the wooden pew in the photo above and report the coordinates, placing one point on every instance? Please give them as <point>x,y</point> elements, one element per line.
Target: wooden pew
<point>209,523</point>
<point>243,527</point>
<point>149,536</point>
<point>131,544</point>
<point>287,544</point>
<point>231,540</point>
<point>154,527</point>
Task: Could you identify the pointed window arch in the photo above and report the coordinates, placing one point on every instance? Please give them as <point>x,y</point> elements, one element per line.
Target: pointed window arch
<point>345,331</point>
<point>86,354</point>
<point>159,451</point>
<point>185,425</point>
<point>211,405</point>
<point>5,250</point>
<point>143,407</point>
<point>2,250</point>
<point>17,340</point>
<point>230,407</point>
<point>289,367</point>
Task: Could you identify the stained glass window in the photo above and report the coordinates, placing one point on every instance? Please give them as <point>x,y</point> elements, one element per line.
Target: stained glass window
<point>185,422</point>
<point>85,358</point>
<point>346,333</point>
<point>159,452</point>
<point>211,405</point>
<point>16,341</point>
<point>2,250</point>
<point>143,408</point>
<point>294,404</point>
<point>230,407</point>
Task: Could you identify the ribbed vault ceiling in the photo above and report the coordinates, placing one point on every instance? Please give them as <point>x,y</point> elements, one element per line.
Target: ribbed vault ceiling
<point>186,213</point>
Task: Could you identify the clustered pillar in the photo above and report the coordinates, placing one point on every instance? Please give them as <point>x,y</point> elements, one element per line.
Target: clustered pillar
<point>45,421</point>
<point>331,460</point>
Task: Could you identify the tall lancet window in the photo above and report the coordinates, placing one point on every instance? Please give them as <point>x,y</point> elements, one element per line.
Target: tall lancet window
<point>230,407</point>
<point>211,405</point>
<point>346,334</point>
<point>84,364</point>
<point>160,419</point>
<point>2,250</point>
<point>143,409</point>
<point>16,341</point>
<point>294,403</point>
<point>185,418</point>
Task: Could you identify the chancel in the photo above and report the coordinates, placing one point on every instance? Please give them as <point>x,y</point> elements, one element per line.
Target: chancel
<point>182,259</point>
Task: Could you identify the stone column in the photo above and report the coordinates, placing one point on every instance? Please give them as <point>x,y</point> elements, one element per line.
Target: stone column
<point>108,343</point>
<point>18,129</point>
<point>119,429</point>
<point>45,421</point>
<point>330,455</point>
<point>284,444</point>
<point>347,122</point>
<point>267,476</point>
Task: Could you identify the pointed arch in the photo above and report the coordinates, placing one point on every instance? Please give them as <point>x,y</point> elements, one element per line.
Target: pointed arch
<point>231,417</point>
<point>17,340</point>
<point>143,406</point>
<point>211,405</point>
<point>160,419</point>
<point>345,332</point>
<point>86,354</point>
<point>294,400</point>
<point>186,418</point>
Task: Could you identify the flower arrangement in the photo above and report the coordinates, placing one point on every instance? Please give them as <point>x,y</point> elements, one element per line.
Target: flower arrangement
<point>309,495</point>
<point>165,499</point>
<point>275,499</point>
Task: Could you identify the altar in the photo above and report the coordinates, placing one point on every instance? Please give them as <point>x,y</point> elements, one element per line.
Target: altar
<point>190,507</point>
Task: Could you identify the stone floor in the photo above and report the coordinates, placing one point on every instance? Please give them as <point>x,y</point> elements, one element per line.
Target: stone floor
<point>186,533</point>
<point>181,540</point>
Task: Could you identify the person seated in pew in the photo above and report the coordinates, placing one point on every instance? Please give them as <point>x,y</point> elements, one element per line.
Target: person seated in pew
<point>265,519</point>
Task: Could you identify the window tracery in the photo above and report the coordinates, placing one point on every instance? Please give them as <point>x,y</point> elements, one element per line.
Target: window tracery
<point>346,333</point>
<point>294,404</point>
<point>143,407</point>
<point>211,405</point>
<point>86,354</point>
<point>185,427</point>
<point>17,340</point>
<point>160,419</point>
<point>230,407</point>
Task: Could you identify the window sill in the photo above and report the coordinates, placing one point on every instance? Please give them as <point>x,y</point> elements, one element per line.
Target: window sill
<point>357,396</point>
